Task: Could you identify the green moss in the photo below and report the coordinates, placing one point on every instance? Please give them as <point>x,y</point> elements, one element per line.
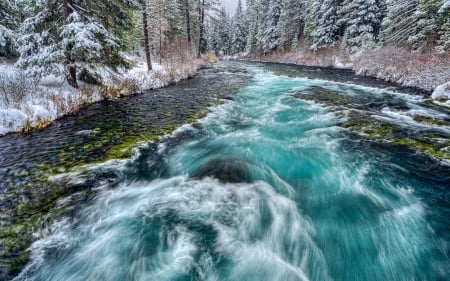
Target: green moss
<point>22,174</point>
<point>196,115</point>
<point>426,148</point>
<point>375,129</point>
<point>430,121</point>
<point>17,263</point>
<point>370,127</point>
<point>323,96</point>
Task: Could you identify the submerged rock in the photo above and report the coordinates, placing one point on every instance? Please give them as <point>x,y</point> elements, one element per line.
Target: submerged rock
<point>227,170</point>
<point>323,96</point>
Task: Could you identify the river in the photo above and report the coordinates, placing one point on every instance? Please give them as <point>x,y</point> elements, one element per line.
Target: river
<point>275,183</point>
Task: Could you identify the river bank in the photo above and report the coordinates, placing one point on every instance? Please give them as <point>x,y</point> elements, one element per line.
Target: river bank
<point>27,104</point>
<point>29,191</point>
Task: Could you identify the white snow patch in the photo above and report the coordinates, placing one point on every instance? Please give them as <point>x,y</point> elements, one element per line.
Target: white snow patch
<point>12,120</point>
<point>442,92</point>
<point>444,7</point>
<point>337,63</point>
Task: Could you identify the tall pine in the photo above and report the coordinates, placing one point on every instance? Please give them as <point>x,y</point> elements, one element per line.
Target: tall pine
<point>269,33</point>
<point>361,20</point>
<point>444,28</point>
<point>251,23</point>
<point>8,27</point>
<point>238,34</point>
<point>321,24</point>
<point>426,25</point>
<point>291,24</point>
<point>399,24</point>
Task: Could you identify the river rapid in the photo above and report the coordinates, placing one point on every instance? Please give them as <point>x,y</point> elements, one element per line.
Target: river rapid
<point>268,186</point>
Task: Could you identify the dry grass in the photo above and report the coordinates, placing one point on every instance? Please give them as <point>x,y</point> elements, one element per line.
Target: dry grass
<point>209,57</point>
<point>178,59</point>
<point>120,87</point>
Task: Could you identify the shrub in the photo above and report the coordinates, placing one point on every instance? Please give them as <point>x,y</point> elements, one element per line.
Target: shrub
<point>15,86</point>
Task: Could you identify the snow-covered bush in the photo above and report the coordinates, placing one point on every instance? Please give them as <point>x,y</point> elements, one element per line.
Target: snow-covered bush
<point>14,86</point>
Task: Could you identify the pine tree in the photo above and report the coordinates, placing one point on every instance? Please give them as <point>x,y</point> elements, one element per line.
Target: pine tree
<point>251,23</point>
<point>8,26</point>
<point>64,39</point>
<point>238,36</point>
<point>221,31</point>
<point>321,24</point>
<point>165,21</point>
<point>205,9</point>
<point>426,31</point>
<point>269,33</point>
<point>399,24</point>
<point>187,17</point>
<point>292,21</point>
<point>361,20</point>
<point>201,38</point>
<point>444,28</point>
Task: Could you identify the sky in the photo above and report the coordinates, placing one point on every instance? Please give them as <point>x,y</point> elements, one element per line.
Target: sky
<point>231,5</point>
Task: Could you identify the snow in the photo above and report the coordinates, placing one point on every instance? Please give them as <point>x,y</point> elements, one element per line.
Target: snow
<point>442,93</point>
<point>52,97</point>
<point>444,6</point>
<point>12,120</point>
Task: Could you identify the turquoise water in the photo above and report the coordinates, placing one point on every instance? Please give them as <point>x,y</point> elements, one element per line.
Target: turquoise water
<point>266,187</point>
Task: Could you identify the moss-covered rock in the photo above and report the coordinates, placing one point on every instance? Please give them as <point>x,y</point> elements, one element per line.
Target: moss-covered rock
<point>369,127</point>
<point>323,96</point>
<point>430,121</point>
<point>430,149</point>
<point>433,145</point>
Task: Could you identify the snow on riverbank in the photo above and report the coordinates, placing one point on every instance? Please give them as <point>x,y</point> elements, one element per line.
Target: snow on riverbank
<point>442,94</point>
<point>26,104</point>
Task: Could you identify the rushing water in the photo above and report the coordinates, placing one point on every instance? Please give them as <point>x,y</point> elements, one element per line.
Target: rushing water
<point>266,187</point>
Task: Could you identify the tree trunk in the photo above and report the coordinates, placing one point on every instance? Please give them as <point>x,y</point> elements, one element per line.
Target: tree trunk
<point>69,62</point>
<point>146,39</point>
<point>201,40</point>
<point>188,21</point>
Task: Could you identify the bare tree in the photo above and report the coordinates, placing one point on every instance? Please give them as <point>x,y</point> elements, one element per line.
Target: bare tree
<point>146,38</point>
<point>69,61</point>
<point>188,20</point>
<point>201,39</point>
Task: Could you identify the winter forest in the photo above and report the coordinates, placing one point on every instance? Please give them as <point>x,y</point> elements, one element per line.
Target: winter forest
<point>73,37</point>
<point>351,25</point>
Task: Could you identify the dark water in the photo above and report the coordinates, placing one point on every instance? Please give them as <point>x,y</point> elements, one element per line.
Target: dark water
<point>267,187</point>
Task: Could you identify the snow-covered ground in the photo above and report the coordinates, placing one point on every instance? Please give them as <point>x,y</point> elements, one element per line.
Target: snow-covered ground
<point>442,94</point>
<point>26,104</point>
